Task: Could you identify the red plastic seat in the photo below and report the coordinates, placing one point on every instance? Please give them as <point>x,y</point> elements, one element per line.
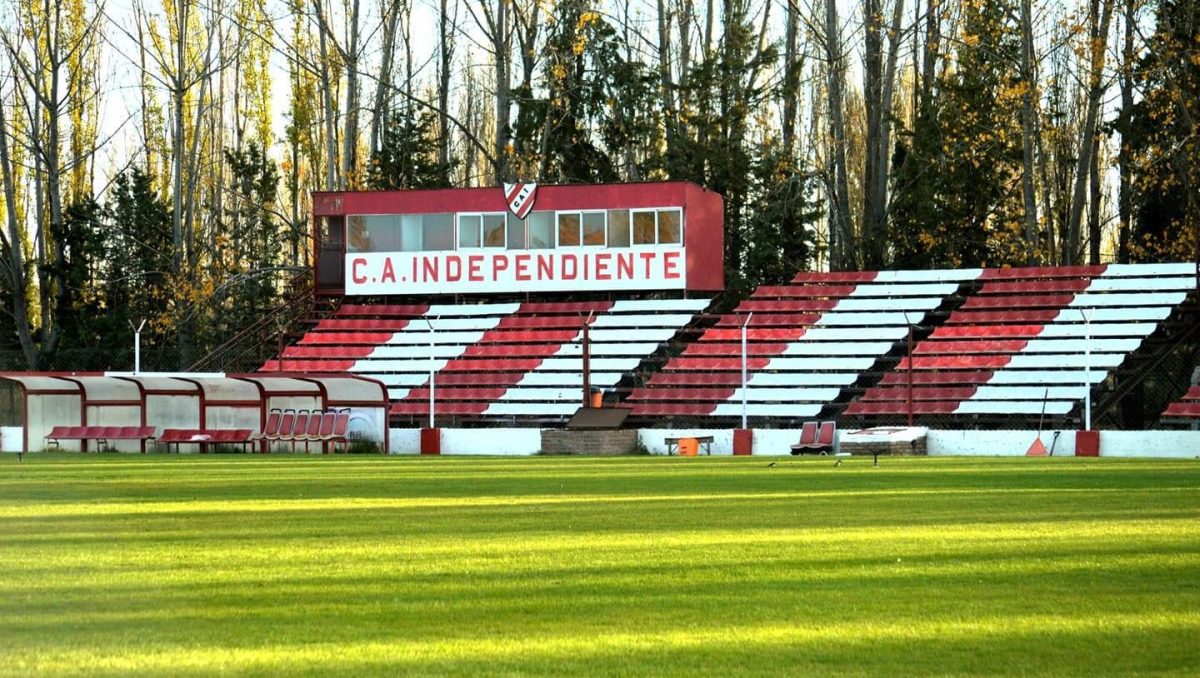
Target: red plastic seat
<point>785,305</point>
<point>1014,317</point>
<point>673,409</point>
<point>376,310</point>
<point>1027,272</point>
<point>1190,410</point>
<point>947,378</point>
<point>715,364</point>
<point>753,334</point>
<point>712,348</point>
<point>955,362</point>
<point>1049,286</point>
<point>833,277</point>
<point>709,394</point>
<point>1018,302</point>
<point>540,322</point>
<point>695,379</point>
<point>770,320</point>
<point>986,331</point>
<point>950,348</point>
<point>573,307</point>
<point>802,291</point>
<point>492,364</point>
<point>900,393</point>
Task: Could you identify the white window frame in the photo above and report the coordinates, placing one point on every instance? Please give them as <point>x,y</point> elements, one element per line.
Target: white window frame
<point>634,211</point>
<point>482,243</point>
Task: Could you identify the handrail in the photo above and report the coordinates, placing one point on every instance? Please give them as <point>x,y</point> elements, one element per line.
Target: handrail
<point>1156,360</point>
<point>276,320</point>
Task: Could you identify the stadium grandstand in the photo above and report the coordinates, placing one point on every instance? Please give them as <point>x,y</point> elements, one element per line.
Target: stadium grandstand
<point>516,308</point>
<point>989,347</point>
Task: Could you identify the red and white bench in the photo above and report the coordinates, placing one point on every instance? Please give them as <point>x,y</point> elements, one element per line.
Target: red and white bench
<point>103,435</point>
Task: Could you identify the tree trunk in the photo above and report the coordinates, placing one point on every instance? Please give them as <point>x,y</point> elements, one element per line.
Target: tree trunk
<point>791,77</point>
<point>384,82</point>
<point>1124,161</point>
<point>1096,51</point>
<point>16,260</point>
<point>1028,132</point>
<point>503,95</point>
<point>350,130</point>
<point>446,56</point>
<point>840,235</point>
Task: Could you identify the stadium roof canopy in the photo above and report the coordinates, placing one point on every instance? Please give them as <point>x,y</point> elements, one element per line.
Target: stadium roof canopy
<point>39,401</point>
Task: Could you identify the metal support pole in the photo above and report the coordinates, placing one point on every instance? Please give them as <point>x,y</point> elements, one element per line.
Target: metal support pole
<point>587,363</point>
<point>745,379</point>
<point>432,370</point>
<point>1087,368</point>
<point>910,369</point>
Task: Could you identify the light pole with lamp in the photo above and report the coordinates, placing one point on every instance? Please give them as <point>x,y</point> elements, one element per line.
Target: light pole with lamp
<point>137,345</point>
<point>431,438</point>
<point>1087,441</point>
<point>743,439</point>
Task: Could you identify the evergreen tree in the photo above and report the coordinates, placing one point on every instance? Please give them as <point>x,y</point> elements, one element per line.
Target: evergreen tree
<point>139,223</point>
<point>957,199</point>
<point>1164,138</point>
<point>407,155</point>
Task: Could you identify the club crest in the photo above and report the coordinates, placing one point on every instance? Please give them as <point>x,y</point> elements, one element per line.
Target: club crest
<point>520,197</point>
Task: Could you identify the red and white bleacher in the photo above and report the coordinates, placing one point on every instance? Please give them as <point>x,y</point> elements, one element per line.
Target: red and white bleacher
<point>1187,407</point>
<point>807,342</point>
<point>1019,346</point>
<point>490,360</point>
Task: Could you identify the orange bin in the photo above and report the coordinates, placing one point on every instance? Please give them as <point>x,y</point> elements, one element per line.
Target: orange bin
<point>597,399</point>
<point>689,447</point>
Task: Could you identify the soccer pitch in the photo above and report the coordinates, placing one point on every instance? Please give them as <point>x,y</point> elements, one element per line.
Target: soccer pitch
<point>131,564</point>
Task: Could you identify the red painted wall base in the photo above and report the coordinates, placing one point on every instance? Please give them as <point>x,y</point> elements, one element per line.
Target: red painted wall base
<point>743,441</point>
<point>431,441</point>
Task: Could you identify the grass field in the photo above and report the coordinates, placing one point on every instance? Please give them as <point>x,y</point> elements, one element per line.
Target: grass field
<point>131,564</point>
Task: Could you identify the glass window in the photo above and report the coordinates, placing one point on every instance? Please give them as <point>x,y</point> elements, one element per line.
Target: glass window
<point>516,232</point>
<point>468,230</point>
<point>493,230</point>
<point>438,232</point>
<point>332,230</point>
<point>644,228</point>
<point>412,236</point>
<point>568,229</point>
<point>618,228</point>
<point>541,230</point>
<point>593,228</point>
<point>358,238</point>
<point>669,232</point>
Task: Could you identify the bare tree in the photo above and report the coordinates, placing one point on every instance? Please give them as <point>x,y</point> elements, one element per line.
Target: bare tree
<point>1028,131</point>
<point>841,236</point>
<point>1099,16</point>
<point>879,83</point>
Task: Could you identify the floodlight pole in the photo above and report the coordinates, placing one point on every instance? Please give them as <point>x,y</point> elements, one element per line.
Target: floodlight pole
<point>1087,368</point>
<point>137,345</point>
<point>744,368</point>
<point>432,384</point>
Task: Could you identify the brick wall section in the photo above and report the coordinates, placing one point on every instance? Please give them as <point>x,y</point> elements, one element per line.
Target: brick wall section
<point>897,448</point>
<point>560,441</point>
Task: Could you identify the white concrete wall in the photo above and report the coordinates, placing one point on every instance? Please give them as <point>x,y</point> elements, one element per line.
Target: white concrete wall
<point>1184,444</point>
<point>12,439</point>
<point>464,441</point>
<point>767,442</point>
<point>775,442</point>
